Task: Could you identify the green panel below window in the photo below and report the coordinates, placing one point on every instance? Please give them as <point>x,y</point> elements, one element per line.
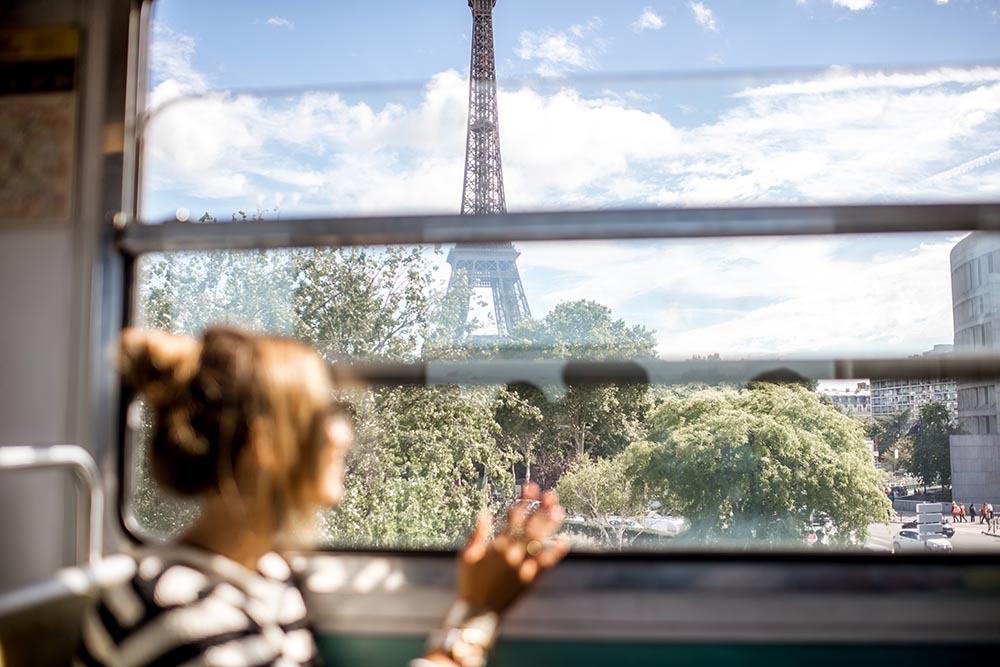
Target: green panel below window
<point>395,652</point>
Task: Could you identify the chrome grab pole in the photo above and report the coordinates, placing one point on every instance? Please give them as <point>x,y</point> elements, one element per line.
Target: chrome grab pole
<point>90,494</point>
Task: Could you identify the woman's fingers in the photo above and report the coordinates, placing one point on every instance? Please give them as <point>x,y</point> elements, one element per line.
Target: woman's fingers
<point>475,548</point>
<point>513,551</point>
<point>528,571</point>
<point>552,554</point>
<point>517,518</point>
<point>547,519</point>
<point>543,560</point>
<point>531,491</point>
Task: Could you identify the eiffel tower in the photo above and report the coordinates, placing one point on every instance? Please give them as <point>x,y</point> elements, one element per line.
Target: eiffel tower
<point>492,265</point>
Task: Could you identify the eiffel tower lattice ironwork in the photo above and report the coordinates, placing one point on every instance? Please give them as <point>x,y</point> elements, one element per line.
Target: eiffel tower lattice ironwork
<point>492,265</point>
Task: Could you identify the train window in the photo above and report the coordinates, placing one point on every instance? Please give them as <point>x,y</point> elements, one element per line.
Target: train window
<point>705,450</point>
<point>688,375</point>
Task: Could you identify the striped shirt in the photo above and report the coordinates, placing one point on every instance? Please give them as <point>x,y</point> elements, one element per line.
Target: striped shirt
<point>185,607</point>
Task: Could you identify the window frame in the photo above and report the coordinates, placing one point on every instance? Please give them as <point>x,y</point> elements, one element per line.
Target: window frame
<point>828,599</point>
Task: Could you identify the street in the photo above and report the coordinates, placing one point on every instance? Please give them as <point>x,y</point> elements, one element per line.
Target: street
<point>968,538</point>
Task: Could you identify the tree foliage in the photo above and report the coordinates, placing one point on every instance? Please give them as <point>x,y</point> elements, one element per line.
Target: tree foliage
<point>931,453</point>
<point>598,420</point>
<point>604,493</point>
<point>424,466</point>
<point>427,459</point>
<point>359,303</point>
<point>885,432</point>
<point>746,465</point>
<point>519,421</point>
<point>900,457</point>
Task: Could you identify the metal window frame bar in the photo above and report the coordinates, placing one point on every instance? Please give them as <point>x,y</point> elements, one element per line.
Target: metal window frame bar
<point>560,373</point>
<point>137,238</point>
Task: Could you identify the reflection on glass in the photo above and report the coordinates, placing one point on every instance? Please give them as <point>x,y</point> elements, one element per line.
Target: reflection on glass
<point>701,298</point>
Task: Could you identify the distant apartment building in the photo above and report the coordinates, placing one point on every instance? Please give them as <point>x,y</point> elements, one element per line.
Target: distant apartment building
<point>890,397</point>
<point>975,294</point>
<point>856,402</point>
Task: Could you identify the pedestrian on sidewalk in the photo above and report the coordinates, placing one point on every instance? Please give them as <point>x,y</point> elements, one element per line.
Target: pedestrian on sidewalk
<point>961,512</point>
<point>954,512</point>
<point>972,512</point>
<point>984,514</point>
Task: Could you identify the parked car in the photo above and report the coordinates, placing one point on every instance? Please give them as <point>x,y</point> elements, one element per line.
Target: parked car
<point>909,540</point>
<point>664,525</point>
<point>947,529</point>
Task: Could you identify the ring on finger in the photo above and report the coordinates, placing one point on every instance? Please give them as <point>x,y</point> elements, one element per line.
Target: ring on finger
<point>533,547</point>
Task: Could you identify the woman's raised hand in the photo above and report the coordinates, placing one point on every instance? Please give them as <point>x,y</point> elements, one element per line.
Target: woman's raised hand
<point>493,574</point>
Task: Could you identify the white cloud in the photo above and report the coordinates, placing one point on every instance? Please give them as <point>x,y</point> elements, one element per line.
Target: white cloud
<point>172,67</point>
<point>832,307</point>
<point>314,151</point>
<point>940,2</point>
<point>648,20</point>
<point>753,297</point>
<point>278,22</point>
<point>576,48</point>
<point>854,5</point>
<point>196,145</point>
<point>704,16</point>
<point>843,80</point>
<point>841,136</point>
<point>551,144</point>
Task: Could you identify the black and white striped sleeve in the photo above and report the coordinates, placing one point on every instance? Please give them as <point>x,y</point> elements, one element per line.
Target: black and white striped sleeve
<point>179,617</point>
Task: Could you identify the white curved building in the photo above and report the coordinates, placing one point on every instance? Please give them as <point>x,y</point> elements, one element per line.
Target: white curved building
<point>975,293</point>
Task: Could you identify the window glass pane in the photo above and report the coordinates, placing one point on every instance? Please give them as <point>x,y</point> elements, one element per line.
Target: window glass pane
<point>698,464</point>
<point>781,103</point>
<point>716,114</point>
<point>816,137</point>
<point>792,297</point>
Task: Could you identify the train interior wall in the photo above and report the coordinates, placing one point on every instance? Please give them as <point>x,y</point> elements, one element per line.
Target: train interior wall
<point>48,278</point>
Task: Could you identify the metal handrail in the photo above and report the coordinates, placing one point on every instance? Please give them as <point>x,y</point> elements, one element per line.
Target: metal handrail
<point>90,494</point>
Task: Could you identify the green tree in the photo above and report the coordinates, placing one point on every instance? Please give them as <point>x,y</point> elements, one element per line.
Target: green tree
<point>424,465</point>
<point>594,419</point>
<point>904,448</point>
<point>427,459</point>
<point>184,292</point>
<point>885,432</point>
<point>931,454</point>
<point>746,465</point>
<point>519,420</point>
<point>604,492</point>
<point>359,303</point>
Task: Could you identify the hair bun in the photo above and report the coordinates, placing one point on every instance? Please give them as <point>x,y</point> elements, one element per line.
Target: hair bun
<point>157,364</point>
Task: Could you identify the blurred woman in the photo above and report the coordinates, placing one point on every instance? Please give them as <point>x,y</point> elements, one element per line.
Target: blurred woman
<point>247,424</point>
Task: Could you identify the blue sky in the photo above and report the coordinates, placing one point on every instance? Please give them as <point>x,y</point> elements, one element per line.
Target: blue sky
<point>792,101</point>
<point>255,44</point>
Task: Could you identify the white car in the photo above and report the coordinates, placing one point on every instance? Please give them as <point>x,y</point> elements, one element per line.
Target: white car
<point>908,540</point>
<point>664,525</point>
